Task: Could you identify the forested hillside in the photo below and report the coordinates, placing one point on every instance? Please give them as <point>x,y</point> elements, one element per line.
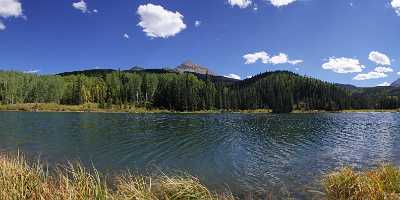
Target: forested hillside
<point>280,91</point>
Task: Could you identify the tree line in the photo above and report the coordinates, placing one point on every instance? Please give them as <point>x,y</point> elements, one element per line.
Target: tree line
<point>279,91</point>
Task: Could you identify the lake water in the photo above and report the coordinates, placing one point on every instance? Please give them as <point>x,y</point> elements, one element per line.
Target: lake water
<point>250,153</point>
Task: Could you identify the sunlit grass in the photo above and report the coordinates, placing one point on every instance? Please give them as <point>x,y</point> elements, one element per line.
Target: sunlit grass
<point>22,181</point>
<point>89,107</point>
<point>18,180</point>
<point>376,184</point>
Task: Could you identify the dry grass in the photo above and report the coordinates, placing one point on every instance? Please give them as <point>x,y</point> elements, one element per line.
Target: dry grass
<point>377,184</point>
<point>18,180</point>
<point>22,181</point>
<point>89,107</point>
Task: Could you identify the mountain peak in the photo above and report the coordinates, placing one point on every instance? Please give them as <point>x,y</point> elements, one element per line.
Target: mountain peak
<point>189,66</point>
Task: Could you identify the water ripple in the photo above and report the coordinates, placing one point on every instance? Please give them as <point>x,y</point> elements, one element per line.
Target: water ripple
<point>248,152</point>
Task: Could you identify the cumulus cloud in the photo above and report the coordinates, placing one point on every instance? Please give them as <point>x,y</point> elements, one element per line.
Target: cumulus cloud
<point>81,5</point>
<point>379,72</point>
<point>233,76</point>
<point>370,75</point>
<point>384,84</point>
<point>252,58</point>
<point>265,58</point>
<point>240,3</point>
<point>279,59</point>
<point>10,8</point>
<point>343,65</point>
<point>280,3</point>
<point>126,35</point>
<point>379,58</point>
<point>383,69</point>
<point>197,23</point>
<point>159,22</point>
<point>396,6</point>
<point>2,26</point>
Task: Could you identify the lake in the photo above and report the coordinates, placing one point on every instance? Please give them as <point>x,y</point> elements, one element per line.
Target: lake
<point>250,153</point>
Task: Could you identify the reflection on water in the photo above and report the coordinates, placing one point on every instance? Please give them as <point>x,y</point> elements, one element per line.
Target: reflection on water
<point>248,152</point>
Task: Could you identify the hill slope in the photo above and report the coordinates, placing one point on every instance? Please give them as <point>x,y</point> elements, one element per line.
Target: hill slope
<point>281,91</point>
<point>396,83</point>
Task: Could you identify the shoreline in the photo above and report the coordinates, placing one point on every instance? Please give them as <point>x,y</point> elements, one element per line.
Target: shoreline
<point>93,108</point>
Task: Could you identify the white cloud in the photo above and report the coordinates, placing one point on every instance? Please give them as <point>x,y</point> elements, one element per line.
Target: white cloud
<point>197,23</point>
<point>295,62</point>
<point>81,5</point>
<point>240,3</point>
<point>279,59</point>
<point>343,65</point>
<point>398,73</point>
<point>263,56</point>
<point>255,8</point>
<point>384,84</point>
<point>280,3</point>
<point>233,76</point>
<point>10,8</point>
<point>396,6</point>
<point>383,69</point>
<point>127,36</point>
<point>2,26</point>
<point>159,22</point>
<point>33,71</point>
<point>252,58</point>
<point>370,75</point>
<point>95,11</point>
<point>379,58</point>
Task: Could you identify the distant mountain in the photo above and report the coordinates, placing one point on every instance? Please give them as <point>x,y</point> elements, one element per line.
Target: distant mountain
<point>396,83</point>
<point>346,86</point>
<point>199,71</point>
<point>136,68</point>
<point>188,66</point>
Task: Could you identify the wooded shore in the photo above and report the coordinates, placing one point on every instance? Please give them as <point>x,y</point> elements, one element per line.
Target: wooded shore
<point>50,107</point>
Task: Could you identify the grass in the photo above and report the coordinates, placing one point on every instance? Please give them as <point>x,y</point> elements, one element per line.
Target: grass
<point>53,107</point>
<point>375,184</point>
<point>20,180</point>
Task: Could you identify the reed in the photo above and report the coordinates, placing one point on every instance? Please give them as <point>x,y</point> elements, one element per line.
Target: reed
<point>23,181</point>
<point>382,182</point>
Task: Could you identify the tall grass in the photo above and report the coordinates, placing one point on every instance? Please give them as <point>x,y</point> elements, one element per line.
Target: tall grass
<point>376,184</point>
<point>20,180</point>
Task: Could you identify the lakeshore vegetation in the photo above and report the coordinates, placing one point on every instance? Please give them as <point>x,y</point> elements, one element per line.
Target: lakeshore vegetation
<point>380,183</point>
<point>280,92</point>
<point>23,180</point>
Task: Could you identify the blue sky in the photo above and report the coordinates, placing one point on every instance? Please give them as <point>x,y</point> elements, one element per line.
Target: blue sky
<point>340,41</point>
